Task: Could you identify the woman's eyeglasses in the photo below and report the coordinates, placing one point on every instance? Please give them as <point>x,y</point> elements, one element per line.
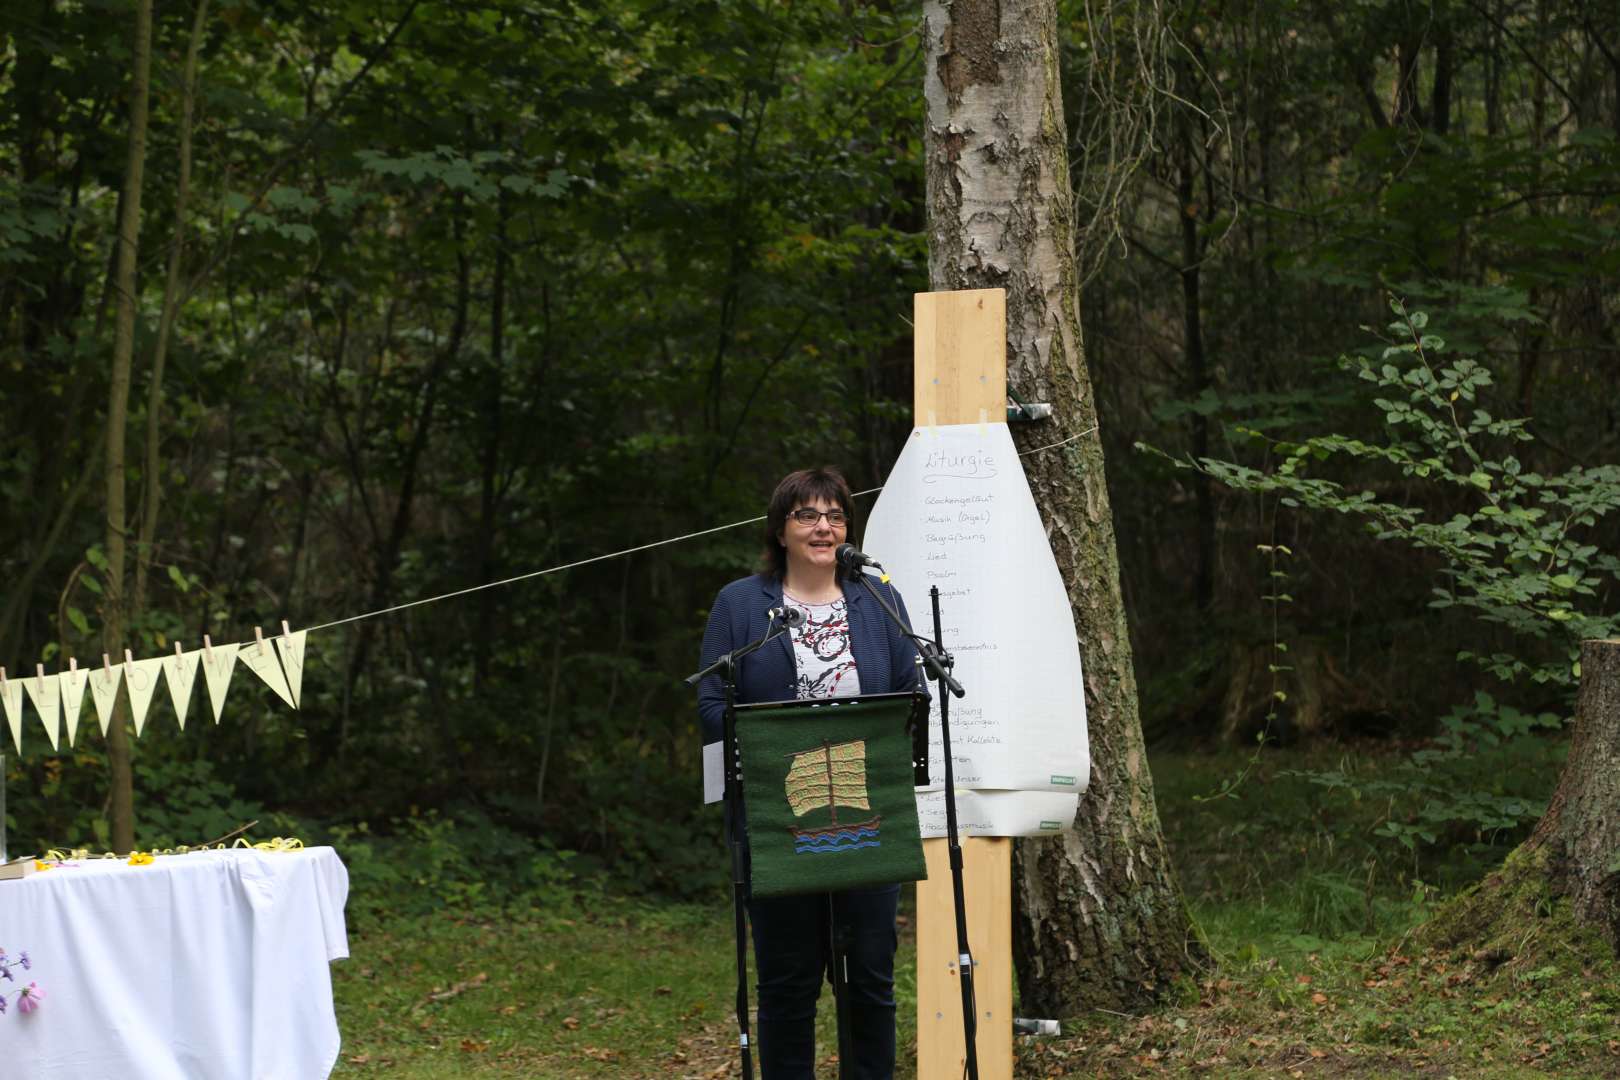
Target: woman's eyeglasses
<point>805,515</point>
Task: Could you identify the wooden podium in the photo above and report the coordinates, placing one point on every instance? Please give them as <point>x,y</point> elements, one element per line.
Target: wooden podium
<point>960,356</point>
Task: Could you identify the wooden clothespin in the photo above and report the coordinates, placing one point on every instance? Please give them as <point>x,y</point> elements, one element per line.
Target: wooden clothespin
<point>208,650</point>
<point>258,636</point>
<point>128,659</point>
<point>73,664</point>
<point>286,633</point>
<point>106,667</point>
<point>179,653</point>
<point>39,678</point>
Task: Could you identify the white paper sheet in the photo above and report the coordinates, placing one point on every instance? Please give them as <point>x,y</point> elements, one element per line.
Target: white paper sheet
<point>259,658</point>
<point>714,773</point>
<point>104,690</point>
<point>956,512</point>
<point>998,813</point>
<point>73,682</point>
<point>291,648</point>
<point>218,661</point>
<point>46,694</point>
<point>180,672</point>
<point>141,679</point>
<point>11,695</point>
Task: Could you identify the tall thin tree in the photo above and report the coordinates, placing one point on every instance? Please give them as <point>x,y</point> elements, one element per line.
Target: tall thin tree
<point>124,286</point>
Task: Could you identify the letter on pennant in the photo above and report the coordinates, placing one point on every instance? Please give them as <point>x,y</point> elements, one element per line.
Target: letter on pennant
<point>11,694</point>
<point>259,658</point>
<point>291,648</point>
<point>141,677</point>
<point>180,671</point>
<point>47,698</point>
<point>72,682</point>
<point>217,663</point>
<point>104,690</point>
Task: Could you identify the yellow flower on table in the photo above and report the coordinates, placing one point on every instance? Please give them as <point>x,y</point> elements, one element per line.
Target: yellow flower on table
<point>139,858</point>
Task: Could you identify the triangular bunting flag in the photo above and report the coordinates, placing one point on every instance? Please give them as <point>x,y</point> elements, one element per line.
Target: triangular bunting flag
<point>11,694</point>
<point>217,662</point>
<point>291,648</point>
<point>104,690</point>
<point>73,681</point>
<point>180,671</point>
<point>46,694</point>
<point>141,677</point>
<point>259,657</point>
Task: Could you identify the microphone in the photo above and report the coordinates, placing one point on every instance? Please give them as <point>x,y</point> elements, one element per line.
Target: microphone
<point>851,559</point>
<point>790,616</point>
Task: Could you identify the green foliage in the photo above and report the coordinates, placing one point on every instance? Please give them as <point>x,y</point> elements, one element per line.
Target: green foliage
<point>1520,557</point>
<point>466,864</point>
<point>1524,557</point>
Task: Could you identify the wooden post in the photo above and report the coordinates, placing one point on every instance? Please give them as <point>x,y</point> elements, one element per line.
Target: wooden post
<point>961,378</point>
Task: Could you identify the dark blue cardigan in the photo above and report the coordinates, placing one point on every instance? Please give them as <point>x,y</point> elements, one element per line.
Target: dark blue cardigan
<point>885,660</point>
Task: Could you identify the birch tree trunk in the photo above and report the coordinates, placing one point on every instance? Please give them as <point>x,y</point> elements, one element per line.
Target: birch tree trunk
<point>1099,919</point>
<point>129,230</point>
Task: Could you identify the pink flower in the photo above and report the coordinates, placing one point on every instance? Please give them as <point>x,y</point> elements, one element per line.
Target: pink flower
<point>30,998</point>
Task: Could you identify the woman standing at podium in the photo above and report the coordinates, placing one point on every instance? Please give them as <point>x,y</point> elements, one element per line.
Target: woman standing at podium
<point>846,646</point>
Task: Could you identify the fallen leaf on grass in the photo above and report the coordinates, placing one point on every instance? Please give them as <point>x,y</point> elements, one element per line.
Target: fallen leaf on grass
<point>474,1046</point>
<point>571,1023</point>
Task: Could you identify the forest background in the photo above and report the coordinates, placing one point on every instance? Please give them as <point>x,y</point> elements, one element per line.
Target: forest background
<point>428,295</point>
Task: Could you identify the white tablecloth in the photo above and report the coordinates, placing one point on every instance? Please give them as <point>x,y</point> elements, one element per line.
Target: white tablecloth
<point>207,966</point>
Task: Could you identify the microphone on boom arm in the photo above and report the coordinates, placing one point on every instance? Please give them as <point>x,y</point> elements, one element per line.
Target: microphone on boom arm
<point>790,616</point>
<point>851,559</point>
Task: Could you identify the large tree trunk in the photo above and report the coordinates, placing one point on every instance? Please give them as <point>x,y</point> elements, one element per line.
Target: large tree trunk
<point>129,229</point>
<point>1570,866</point>
<point>1099,917</point>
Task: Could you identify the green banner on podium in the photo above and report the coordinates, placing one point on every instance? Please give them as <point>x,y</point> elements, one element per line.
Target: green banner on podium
<point>827,788</point>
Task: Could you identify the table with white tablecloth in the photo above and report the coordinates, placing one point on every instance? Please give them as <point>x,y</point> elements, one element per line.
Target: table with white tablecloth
<point>211,965</point>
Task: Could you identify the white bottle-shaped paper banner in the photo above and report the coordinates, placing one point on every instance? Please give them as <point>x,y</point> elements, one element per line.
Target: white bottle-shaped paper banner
<point>46,694</point>
<point>11,695</point>
<point>260,658</point>
<point>72,689</point>
<point>957,513</point>
<point>291,648</point>
<point>141,677</point>
<point>180,672</point>
<point>104,691</point>
<point>217,663</point>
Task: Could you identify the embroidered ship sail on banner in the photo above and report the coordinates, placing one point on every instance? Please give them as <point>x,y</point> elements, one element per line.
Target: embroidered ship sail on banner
<point>828,795</point>
<point>825,778</point>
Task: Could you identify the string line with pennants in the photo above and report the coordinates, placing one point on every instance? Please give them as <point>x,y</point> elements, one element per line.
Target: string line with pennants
<point>57,700</point>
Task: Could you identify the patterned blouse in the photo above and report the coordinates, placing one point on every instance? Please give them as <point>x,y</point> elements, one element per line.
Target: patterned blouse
<point>821,652</point>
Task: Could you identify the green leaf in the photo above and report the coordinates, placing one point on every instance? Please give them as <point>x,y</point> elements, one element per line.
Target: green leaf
<point>82,624</point>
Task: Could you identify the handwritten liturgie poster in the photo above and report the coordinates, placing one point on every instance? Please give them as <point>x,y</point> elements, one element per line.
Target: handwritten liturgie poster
<point>957,512</point>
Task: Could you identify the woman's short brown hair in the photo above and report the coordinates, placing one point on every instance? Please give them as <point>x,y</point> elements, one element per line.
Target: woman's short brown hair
<point>795,490</point>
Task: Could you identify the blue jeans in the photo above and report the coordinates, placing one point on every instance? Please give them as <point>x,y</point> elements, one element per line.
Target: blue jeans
<point>792,953</point>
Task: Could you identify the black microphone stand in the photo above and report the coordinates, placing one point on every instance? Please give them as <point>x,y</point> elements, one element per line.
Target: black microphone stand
<point>726,667</point>
<point>939,664</point>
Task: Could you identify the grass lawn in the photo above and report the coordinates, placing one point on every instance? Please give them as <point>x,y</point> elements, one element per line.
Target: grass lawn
<point>615,989</point>
<point>1306,914</point>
